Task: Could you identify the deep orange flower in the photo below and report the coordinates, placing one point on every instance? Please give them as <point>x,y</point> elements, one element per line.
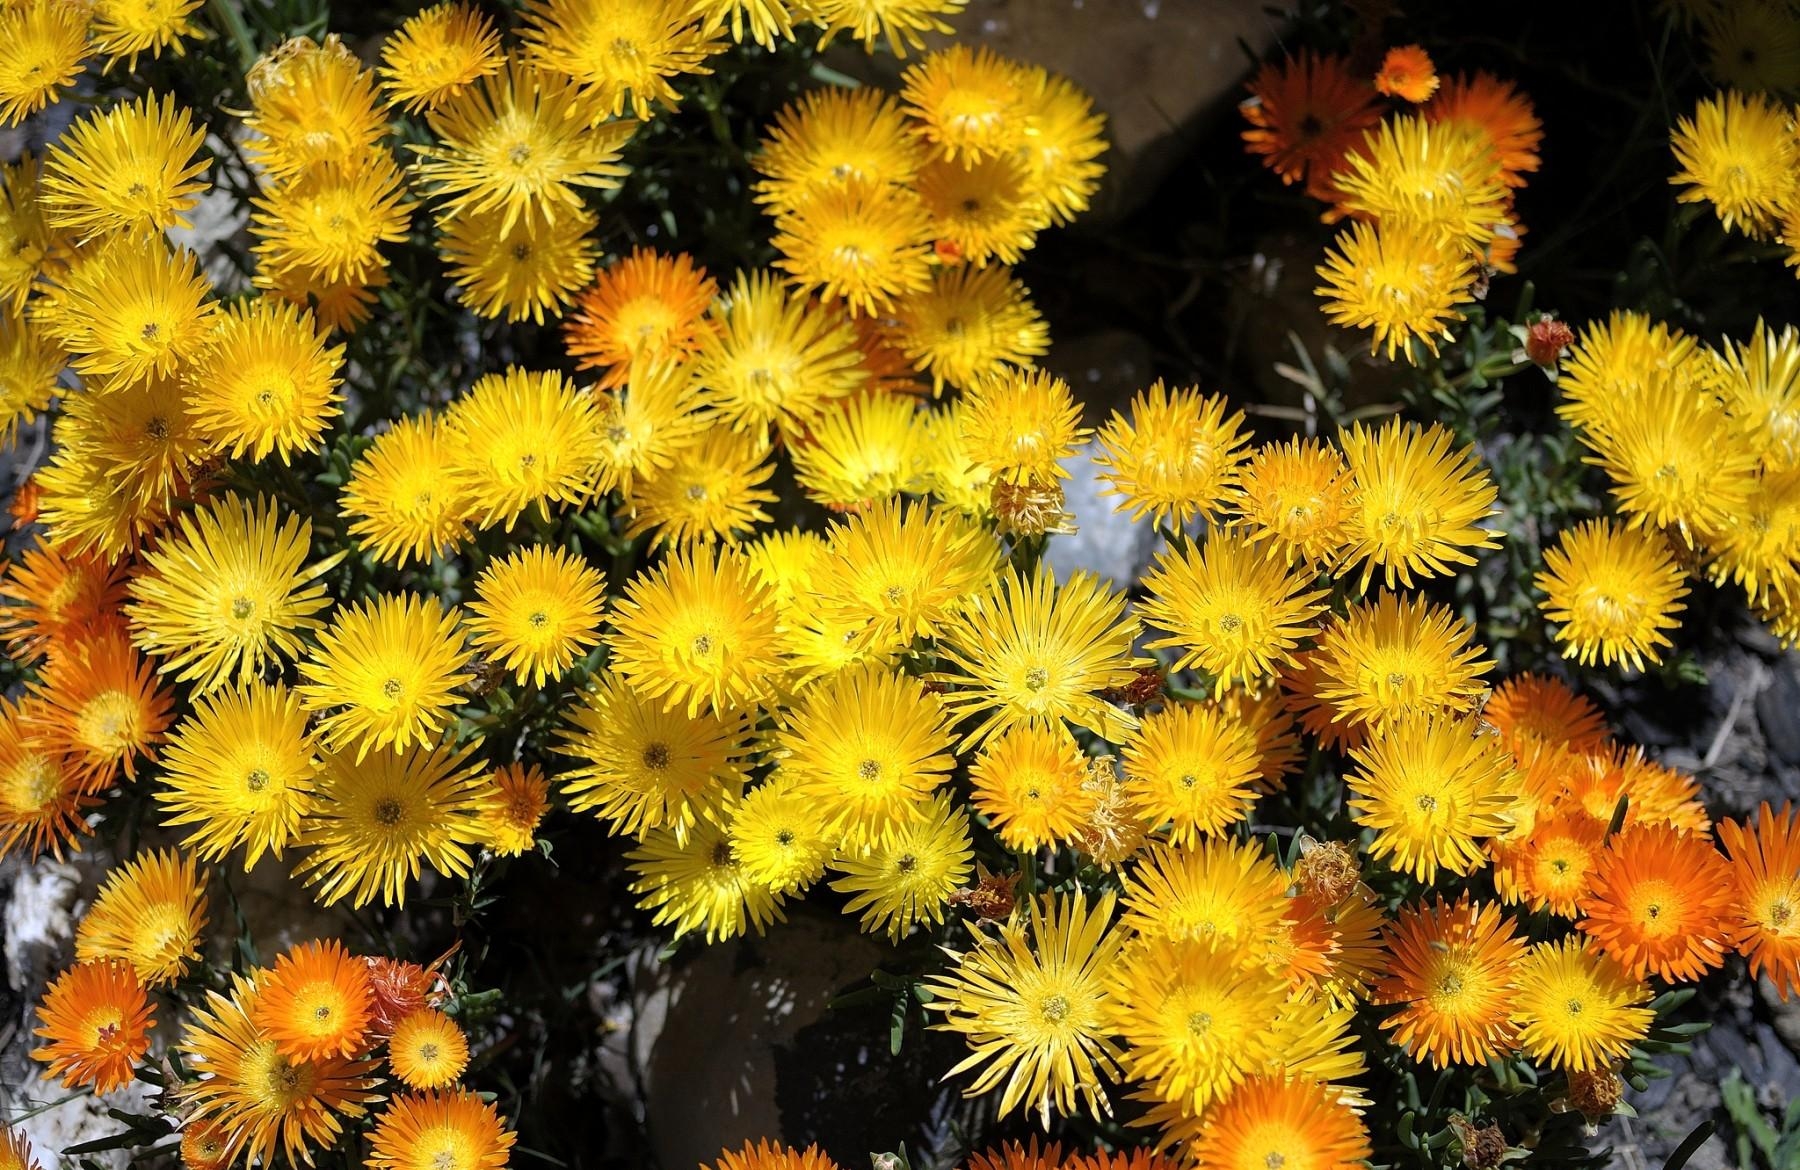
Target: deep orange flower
<point>42,794</point>
<point>1661,901</point>
<point>205,1146</point>
<point>1019,1156</point>
<point>767,1155</point>
<point>397,989</point>
<point>316,1003</point>
<point>1656,794</point>
<point>98,702</point>
<point>1530,707</point>
<point>1408,74</point>
<point>1305,114</point>
<point>1136,1158</point>
<point>647,305</point>
<point>1452,970</point>
<point>1501,113</point>
<point>48,592</point>
<point>1765,871</point>
<point>97,1020</point>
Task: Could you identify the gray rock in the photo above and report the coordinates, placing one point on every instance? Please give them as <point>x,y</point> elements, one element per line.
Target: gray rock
<point>1105,541</point>
<point>1778,710</point>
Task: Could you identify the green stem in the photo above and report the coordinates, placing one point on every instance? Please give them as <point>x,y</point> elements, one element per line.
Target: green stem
<point>237,30</point>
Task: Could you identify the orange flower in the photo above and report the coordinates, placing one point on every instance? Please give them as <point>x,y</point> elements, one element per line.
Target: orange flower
<point>1268,1121</point>
<point>1500,112</point>
<point>205,1146</point>
<point>98,702</point>
<point>42,797</point>
<point>1305,114</point>
<point>1452,967</point>
<point>647,305</point>
<point>15,1150</point>
<point>451,1129</point>
<point>1137,1158</point>
<point>1530,707</point>
<point>1656,795</point>
<point>767,1155</point>
<point>1014,1156</point>
<point>517,804</point>
<point>97,1020</point>
<point>316,1003</point>
<point>48,592</point>
<point>1765,870</point>
<point>1408,74</point>
<point>1661,901</point>
<point>397,989</point>
<point>1548,868</point>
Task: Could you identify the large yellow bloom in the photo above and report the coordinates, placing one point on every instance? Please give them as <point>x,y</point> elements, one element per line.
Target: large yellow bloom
<point>1738,153</point>
<point>623,53</point>
<point>132,165</point>
<point>1398,281</point>
<point>1614,590</point>
<point>1432,788</point>
<point>523,438</point>
<point>1175,458</point>
<point>265,382</point>
<point>1417,503</point>
<point>385,674</point>
<point>150,913</point>
<point>1033,1001</point>
<point>535,610</point>
<point>1576,1009</point>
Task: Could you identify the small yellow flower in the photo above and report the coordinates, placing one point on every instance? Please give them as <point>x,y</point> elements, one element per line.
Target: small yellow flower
<point>1614,590</point>
<point>536,610</point>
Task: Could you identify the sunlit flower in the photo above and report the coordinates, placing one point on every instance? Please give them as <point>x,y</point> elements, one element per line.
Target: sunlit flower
<point>131,165</point>
<point>535,610</point>
<point>1275,1121</point>
<point>645,307</point>
<point>1576,1009</point>
<point>1450,970</point>
<point>385,674</point>
<point>1614,590</point>
<point>452,1129</point>
<point>150,913</point>
<point>523,438</point>
<point>96,1019</point>
<point>968,326</point>
<point>47,42</point>
<point>1192,767</point>
<point>427,1050</point>
<point>693,882</point>
<point>623,53</point>
<point>828,137</point>
<point>1661,902</point>
<point>265,382</point>
<point>714,491</point>
<point>908,878</point>
<point>1408,74</point>
<point>1427,184</point>
<point>1031,783</point>
<point>398,498</point>
<point>1432,788</point>
<point>437,53</point>
<point>1765,871</point>
<point>315,1002</point>
<point>1737,153</point>
<point>529,269</point>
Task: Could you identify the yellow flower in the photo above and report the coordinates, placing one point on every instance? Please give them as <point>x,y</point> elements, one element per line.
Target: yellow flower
<point>1194,1018</point>
<point>861,242</point>
<point>1063,138</point>
<point>30,248</point>
<point>131,165</point>
<point>1025,651</point>
<point>1192,767</point>
<point>1613,363</point>
<point>699,630</point>
<point>1738,153</point>
<point>645,422</point>
<point>1033,1002</point>
<point>866,747</point>
<point>398,498</point>
<point>714,491</point>
<point>622,52</point>
<point>313,106</point>
<point>1031,784</point>
<point>695,883</point>
<point>1399,282</point>
<point>779,837</point>
<point>327,226</point>
<point>521,438</point>
<point>529,269</point>
<point>1394,655</point>
<point>1614,590</point>
<point>1759,547</point>
<point>385,674</point>
<point>150,913</point>
<point>265,381</point>
<point>903,569</point>
<point>907,878</point>
<point>1759,382</point>
<point>767,21</point>
<point>30,367</point>
<point>968,103</point>
<point>1229,893</point>
<point>1230,609</point>
<point>522,139</point>
<point>968,326</point>
<point>770,357</point>
<point>872,448</point>
<point>240,769</point>
<point>1020,426</point>
<point>227,595</point>
<point>645,767</point>
<point>901,23</point>
<point>1436,183</point>
<point>1675,459</point>
<point>1175,458</point>
<point>427,1050</point>
<point>951,473</point>
<point>1576,1009</point>
<point>437,53</point>
<point>375,820</point>
<point>46,42</point>
<point>137,441</point>
<point>1298,497</point>
<point>828,137</point>
<point>536,610</point>
<point>1417,504</point>
<point>122,28</point>
<point>983,211</point>
<point>133,310</point>
<point>1432,788</point>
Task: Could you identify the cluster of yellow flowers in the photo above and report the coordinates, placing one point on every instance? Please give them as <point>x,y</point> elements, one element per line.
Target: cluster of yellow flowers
<point>861,709</point>
<point>1429,189</point>
<point>1702,448</point>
